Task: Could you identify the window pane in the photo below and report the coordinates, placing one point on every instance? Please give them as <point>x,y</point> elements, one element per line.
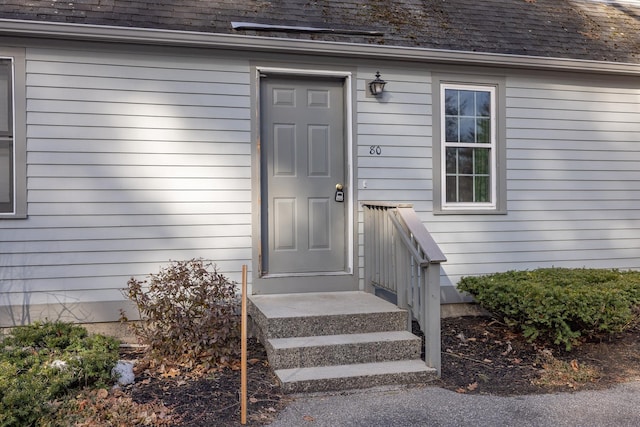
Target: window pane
<point>467,130</point>
<point>6,178</point>
<point>452,129</point>
<point>452,189</point>
<point>465,189</point>
<point>481,163</point>
<point>483,104</point>
<point>6,118</point>
<point>465,161</point>
<point>467,103</point>
<point>451,102</point>
<point>483,131</point>
<point>452,160</point>
<point>482,193</point>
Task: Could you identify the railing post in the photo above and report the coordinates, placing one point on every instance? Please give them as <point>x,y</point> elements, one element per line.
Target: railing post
<point>369,236</point>
<point>431,315</point>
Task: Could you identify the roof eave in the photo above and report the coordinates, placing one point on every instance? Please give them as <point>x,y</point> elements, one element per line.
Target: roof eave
<point>136,35</point>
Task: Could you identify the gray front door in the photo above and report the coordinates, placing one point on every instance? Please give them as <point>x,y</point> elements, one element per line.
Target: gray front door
<point>303,159</point>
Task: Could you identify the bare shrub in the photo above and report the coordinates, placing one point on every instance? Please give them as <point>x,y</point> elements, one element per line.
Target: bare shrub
<point>188,312</point>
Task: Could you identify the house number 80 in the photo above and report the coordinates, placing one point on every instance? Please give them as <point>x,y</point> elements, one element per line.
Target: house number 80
<point>375,150</point>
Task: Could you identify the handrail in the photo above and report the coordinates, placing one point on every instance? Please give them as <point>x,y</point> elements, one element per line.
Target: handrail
<point>401,257</point>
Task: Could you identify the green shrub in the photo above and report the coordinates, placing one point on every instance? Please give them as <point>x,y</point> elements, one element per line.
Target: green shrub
<point>188,312</point>
<point>560,305</point>
<point>29,379</point>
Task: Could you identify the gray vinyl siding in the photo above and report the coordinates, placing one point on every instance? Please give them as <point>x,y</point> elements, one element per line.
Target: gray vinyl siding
<point>138,158</point>
<point>133,160</point>
<point>400,123</point>
<point>573,183</point>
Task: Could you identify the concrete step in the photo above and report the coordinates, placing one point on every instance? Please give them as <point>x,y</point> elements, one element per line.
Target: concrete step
<point>304,352</point>
<point>354,376</point>
<point>323,313</point>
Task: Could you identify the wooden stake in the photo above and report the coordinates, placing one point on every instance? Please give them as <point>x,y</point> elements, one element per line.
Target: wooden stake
<point>243,350</point>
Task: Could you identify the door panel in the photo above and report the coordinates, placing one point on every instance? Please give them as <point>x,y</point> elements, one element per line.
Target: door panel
<point>303,158</point>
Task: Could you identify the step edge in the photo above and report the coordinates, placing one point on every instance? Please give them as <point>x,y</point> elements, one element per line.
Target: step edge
<point>341,339</point>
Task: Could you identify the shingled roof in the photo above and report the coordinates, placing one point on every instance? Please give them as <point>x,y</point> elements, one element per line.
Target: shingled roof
<point>597,30</point>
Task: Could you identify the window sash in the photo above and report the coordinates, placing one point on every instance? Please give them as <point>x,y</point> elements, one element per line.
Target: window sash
<point>467,130</point>
<point>7,141</point>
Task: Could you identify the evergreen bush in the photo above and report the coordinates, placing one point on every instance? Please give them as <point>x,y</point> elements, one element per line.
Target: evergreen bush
<point>42,362</point>
<point>560,305</point>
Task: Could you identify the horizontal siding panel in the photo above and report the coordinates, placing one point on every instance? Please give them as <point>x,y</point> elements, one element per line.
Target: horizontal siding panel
<point>548,223</point>
<point>545,146</point>
<point>555,245</point>
<point>134,109</point>
<point>125,232</point>
<point>518,185</point>
<point>577,116</point>
<point>166,72</point>
<point>150,184</point>
<point>87,292</point>
<point>115,96</point>
<point>418,118</point>
<point>142,171</point>
<point>586,175</point>
<point>613,153</point>
<point>394,184</point>
<point>79,252</point>
<point>138,159</point>
<point>391,130</point>
<point>141,134</point>
<point>137,85</point>
<point>138,208</point>
<point>563,123</point>
<point>394,141</point>
<point>136,196</point>
<point>41,223</point>
<point>573,205</point>
<point>394,150</point>
<point>571,135</point>
<point>573,165</point>
<point>73,260</point>
<point>425,110</point>
<point>137,122</point>
<point>595,196</point>
<point>394,162</point>
<point>95,145</point>
<point>551,235</point>
<point>543,256</point>
<point>401,173</point>
<point>620,97</point>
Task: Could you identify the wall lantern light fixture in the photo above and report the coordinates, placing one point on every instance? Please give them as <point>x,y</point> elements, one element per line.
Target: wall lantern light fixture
<point>376,87</point>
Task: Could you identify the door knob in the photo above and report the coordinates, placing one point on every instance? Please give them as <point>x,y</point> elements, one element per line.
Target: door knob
<point>339,187</point>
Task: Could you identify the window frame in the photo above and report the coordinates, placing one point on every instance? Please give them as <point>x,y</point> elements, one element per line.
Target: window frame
<point>18,140</point>
<point>496,87</point>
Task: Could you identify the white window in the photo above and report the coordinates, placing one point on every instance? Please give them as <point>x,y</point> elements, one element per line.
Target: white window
<point>12,134</point>
<point>7,190</point>
<point>468,147</point>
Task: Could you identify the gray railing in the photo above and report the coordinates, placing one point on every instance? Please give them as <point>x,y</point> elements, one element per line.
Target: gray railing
<point>401,257</point>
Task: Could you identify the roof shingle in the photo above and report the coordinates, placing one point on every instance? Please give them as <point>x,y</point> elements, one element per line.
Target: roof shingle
<point>579,29</point>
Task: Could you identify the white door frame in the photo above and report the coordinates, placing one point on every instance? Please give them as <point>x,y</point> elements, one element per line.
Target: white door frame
<point>350,193</point>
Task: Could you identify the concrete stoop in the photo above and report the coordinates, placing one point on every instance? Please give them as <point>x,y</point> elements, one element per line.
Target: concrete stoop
<point>332,341</point>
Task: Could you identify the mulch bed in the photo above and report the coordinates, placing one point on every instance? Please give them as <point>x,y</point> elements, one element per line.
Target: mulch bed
<point>479,356</point>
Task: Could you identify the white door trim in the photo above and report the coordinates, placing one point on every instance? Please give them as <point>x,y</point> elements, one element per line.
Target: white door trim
<point>348,120</point>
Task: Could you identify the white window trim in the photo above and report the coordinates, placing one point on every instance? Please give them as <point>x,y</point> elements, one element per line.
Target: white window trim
<point>468,206</point>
